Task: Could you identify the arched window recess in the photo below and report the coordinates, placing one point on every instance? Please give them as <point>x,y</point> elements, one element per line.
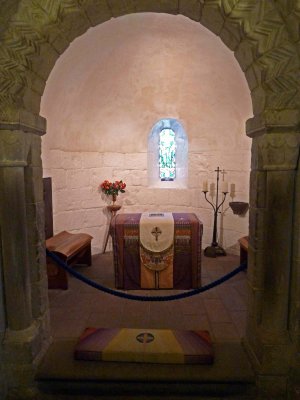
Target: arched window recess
<point>167,155</point>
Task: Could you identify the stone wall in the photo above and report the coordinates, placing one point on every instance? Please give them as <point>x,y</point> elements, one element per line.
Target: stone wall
<point>103,97</point>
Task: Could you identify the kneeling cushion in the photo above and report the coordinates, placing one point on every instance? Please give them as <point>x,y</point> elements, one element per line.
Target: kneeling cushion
<point>145,345</point>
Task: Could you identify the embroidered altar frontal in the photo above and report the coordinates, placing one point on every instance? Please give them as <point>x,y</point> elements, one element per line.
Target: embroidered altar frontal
<point>161,346</point>
<point>185,271</point>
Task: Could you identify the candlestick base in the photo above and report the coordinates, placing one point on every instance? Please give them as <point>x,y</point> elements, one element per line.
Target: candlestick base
<point>214,251</point>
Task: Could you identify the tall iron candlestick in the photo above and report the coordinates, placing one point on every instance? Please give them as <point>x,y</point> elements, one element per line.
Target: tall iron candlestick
<point>215,249</point>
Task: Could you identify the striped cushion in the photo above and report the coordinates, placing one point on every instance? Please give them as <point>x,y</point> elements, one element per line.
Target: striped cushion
<point>145,345</point>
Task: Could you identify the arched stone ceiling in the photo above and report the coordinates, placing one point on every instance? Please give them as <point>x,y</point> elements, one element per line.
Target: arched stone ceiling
<point>264,36</point>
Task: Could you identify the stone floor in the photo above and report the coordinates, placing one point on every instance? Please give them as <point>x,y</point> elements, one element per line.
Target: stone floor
<point>221,310</point>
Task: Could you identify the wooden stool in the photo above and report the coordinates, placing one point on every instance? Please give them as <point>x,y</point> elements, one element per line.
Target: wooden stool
<point>72,248</point>
<point>244,242</point>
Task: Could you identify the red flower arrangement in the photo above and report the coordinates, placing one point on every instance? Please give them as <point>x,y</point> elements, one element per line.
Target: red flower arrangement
<point>112,188</point>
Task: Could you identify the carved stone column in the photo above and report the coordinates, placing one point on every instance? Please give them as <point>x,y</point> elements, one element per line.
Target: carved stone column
<point>294,320</point>
<point>14,148</point>
<point>26,336</point>
<point>275,152</point>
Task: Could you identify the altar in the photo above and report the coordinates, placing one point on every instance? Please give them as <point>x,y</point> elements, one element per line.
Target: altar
<point>184,270</point>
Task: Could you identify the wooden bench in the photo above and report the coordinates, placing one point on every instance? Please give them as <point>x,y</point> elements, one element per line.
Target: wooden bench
<point>73,249</point>
<point>243,242</point>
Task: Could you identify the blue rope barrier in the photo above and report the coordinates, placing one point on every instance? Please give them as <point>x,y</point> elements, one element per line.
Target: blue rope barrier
<point>127,296</point>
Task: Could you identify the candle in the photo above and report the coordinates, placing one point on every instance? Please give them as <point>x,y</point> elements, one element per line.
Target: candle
<point>232,190</point>
<point>224,186</point>
<point>205,186</point>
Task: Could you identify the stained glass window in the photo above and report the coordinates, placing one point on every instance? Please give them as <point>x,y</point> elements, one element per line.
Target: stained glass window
<point>167,152</point>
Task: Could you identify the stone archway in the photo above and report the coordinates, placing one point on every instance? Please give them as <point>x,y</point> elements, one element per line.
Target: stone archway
<point>35,34</point>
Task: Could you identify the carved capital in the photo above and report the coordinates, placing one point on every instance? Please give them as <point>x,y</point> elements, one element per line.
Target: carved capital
<point>14,148</point>
<point>275,151</point>
<point>273,121</point>
<point>26,122</point>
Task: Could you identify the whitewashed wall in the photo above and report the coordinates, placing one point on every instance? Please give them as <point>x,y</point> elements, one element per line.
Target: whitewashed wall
<point>103,97</point>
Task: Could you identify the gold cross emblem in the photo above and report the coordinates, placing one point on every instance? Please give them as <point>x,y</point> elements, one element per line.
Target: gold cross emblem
<point>156,232</point>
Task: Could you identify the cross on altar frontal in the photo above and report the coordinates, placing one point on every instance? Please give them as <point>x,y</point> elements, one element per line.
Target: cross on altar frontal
<point>156,232</point>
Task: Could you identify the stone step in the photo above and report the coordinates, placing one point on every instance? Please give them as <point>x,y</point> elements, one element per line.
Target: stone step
<point>146,390</point>
<point>80,396</point>
<point>230,375</point>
